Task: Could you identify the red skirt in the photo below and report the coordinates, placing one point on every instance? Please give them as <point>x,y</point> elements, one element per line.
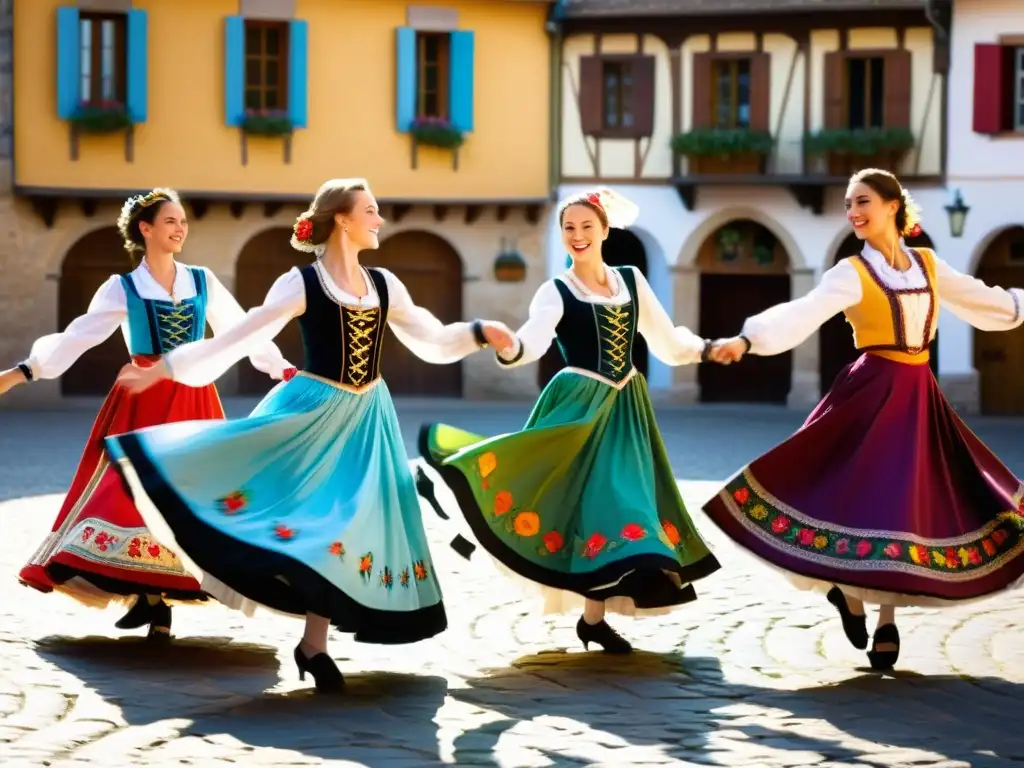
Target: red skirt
<point>98,549</point>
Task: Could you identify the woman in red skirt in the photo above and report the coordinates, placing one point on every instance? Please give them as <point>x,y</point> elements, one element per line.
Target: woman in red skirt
<point>884,495</point>
<point>99,550</point>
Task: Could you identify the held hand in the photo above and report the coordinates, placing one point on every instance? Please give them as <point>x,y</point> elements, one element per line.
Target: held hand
<point>136,379</point>
<point>499,336</point>
<point>726,351</point>
<point>10,379</point>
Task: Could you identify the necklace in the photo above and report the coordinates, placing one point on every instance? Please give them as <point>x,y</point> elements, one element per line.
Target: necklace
<point>174,299</point>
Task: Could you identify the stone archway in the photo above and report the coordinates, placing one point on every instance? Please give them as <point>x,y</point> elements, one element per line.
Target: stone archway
<point>835,338</point>
<point>622,248</point>
<point>744,269</point>
<point>432,271</point>
<point>87,265</point>
<point>265,257</point>
<point>999,357</point>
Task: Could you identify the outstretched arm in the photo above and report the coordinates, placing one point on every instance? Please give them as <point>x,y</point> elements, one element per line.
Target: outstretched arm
<point>224,312</point>
<point>986,307</point>
<point>199,363</point>
<point>430,339</point>
<point>536,335</point>
<point>672,344</point>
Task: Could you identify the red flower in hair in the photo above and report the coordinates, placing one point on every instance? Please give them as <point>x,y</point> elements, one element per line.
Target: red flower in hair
<point>289,373</point>
<point>303,230</point>
<point>594,199</point>
<point>915,231</point>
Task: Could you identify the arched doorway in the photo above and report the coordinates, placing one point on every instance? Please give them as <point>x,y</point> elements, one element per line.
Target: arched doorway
<point>87,265</point>
<point>999,357</point>
<point>621,249</point>
<point>263,259</point>
<point>835,339</point>
<point>432,271</point>
<point>744,269</point>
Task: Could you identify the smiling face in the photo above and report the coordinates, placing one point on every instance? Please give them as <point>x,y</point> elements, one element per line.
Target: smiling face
<point>361,226</point>
<point>168,230</point>
<point>583,232</point>
<point>870,216</point>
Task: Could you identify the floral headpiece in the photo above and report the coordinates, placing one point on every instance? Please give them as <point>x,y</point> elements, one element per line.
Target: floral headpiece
<point>915,231</point>
<point>595,199</point>
<point>302,231</point>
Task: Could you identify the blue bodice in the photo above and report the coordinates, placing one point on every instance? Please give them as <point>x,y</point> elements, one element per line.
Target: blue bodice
<point>156,326</point>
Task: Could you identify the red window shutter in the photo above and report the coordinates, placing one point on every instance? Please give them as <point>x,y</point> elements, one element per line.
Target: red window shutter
<point>897,80</point>
<point>835,89</point>
<point>702,86</point>
<point>992,88</point>
<point>591,95</point>
<point>643,95</point>
<point>760,91</point>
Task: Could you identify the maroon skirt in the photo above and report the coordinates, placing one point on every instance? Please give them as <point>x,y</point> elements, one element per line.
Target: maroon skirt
<point>883,490</point>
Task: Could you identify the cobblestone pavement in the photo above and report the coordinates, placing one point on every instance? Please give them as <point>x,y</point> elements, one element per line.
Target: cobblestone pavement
<point>753,674</point>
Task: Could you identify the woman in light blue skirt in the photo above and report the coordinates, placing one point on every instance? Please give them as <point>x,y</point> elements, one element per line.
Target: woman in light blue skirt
<point>307,506</point>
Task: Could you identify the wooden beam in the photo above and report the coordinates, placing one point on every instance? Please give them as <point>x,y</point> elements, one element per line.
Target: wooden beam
<point>399,211</point>
<point>688,194</point>
<point>810,196</point>
<point>533,213</point>
<point>473,213</point>
<point>237,208</point>
<point>46,209</point>
<point>88,206</point>
<point>503,212</point>
<point>440,212</point>
<point>199,208</point>
<point>271,209</point>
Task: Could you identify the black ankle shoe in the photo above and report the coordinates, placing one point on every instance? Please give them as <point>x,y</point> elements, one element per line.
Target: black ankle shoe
<point>325,673</point>
<point>855,627</point>
<point>602,634</point>
<point>884,660</point>
<point>160,622</point>
<point>141,613</point>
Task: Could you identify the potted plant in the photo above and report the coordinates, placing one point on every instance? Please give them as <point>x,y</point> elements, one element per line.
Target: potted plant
<point>101,117</point>
<point>729,241</point>
<point>846,150</point>
<point>724,150</point>
<point>267,122</point>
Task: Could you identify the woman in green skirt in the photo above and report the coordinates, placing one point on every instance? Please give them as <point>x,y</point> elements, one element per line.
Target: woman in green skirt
<point>582,503</point>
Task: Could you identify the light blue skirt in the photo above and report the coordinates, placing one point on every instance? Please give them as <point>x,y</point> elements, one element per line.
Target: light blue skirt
<point>307,505</point>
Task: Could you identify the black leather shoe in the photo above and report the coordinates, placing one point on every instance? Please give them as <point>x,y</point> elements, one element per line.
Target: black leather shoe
<point>325,673</point>
<point>602,634</point>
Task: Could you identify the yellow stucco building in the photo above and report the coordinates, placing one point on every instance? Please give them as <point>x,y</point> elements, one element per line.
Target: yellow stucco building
<point>245,107</point>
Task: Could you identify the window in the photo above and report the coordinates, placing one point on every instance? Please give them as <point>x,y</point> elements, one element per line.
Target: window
<point>865,92</point>
<point>1018,72</point>
<point>433,54</point>
<point>730,93</point>
<point>617,94</point>
<point>266,65</point>
<point>102,66</point>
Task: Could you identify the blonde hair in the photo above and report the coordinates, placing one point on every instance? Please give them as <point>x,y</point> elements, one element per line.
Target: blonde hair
<point>314,226</point>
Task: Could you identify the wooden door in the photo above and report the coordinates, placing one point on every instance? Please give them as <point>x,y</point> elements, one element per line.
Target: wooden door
<point>999,356</point>
<point>264,258</point>
<point>726,300</point>
<point>89,263</point>
<point>432,272</point>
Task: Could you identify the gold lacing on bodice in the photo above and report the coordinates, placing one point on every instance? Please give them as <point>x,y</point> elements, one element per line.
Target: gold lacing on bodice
<point>175,324</point>
<point>360,329</point>
<point>614,326</point>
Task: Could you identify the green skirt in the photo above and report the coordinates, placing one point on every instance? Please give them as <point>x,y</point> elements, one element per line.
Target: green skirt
<point>583,500</point>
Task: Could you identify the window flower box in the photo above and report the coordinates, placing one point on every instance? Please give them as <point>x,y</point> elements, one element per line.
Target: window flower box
<point>101,117</point>
<point>724,150</point>
<point>267,122</point>
<point>436,132</point>
<point>847,150</point>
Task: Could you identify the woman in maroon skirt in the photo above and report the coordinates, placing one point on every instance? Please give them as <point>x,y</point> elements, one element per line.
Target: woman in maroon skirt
<point>884,495</point>
<point>98,549</point>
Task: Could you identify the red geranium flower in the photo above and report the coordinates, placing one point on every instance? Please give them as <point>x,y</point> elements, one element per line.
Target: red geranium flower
<point>741,495</point>
<point>303,230</point>
<point>553,541</point>
<point>915,231</point>
<point>633,532</point>
<point>594,546</point>
<point>780,524</point>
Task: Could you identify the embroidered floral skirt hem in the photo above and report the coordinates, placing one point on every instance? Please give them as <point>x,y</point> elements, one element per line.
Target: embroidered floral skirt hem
<point>885,492</point>
<point>581,503</point>
<point>99,549</point>
<point>307,505</point>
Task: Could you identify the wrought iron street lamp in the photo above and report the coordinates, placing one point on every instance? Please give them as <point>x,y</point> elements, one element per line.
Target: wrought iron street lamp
<point>957,214</point>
